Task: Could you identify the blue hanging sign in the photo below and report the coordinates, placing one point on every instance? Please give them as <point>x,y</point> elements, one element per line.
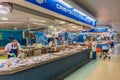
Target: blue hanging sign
<point>61,7</point>
<point>97,29</point>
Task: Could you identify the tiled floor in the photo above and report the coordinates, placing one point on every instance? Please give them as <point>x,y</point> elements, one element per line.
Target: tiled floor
<point>100,69</point>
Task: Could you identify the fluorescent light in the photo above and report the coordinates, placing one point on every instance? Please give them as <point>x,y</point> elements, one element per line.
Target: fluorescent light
<point>38,20</point>
<point>4,18</point>
<point>37,23</point>
<point>42,21</point>
<point>62,22</point>
<point>11,22</point>
<point>3,12</point>
<point>34,19</point>
<point>51,26</point>
<point>4,9</point>
<point>15,28</point>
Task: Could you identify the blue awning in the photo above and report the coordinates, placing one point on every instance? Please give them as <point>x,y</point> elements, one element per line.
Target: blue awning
<point>99,30</point>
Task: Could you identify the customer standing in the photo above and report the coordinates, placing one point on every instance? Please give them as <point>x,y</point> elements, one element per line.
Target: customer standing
<point>94,47</point>
<point>111,42</point>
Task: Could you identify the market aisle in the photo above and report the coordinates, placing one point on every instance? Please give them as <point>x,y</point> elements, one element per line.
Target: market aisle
<point>99,69</point>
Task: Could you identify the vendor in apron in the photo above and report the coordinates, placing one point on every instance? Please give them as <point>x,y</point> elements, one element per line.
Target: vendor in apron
<point>13,49</point>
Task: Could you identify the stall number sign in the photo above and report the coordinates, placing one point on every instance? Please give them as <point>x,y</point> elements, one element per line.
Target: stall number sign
<point>61,7</point>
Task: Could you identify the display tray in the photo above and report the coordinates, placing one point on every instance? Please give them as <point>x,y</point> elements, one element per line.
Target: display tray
<point>54,57</point>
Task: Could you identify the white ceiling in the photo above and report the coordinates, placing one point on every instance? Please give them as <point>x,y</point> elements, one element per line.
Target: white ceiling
<point>106,11</point>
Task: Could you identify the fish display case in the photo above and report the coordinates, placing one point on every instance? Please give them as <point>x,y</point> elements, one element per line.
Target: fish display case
<point>40,66</point>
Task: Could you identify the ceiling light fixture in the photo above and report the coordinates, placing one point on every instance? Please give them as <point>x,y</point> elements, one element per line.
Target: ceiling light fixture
<point>37,23</point>
<point>3,11</point>
<point>42,20</point>
<point>11,22</point>
<point>62,22</point>
<point>4,18</point>
<point>5,8</point>
<point>38,20</point>
<point>51,26</point>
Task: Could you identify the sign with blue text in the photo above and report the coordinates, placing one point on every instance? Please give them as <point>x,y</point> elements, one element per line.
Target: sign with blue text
<point>63,8</point>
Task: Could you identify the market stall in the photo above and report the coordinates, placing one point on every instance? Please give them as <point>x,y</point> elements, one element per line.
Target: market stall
<point>102,35</point>
<point>50,65</point>
<point>43,42</point>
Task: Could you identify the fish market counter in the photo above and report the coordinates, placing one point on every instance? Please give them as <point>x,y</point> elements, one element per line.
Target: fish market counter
<point>44,66</point>
<point>99,44</point>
